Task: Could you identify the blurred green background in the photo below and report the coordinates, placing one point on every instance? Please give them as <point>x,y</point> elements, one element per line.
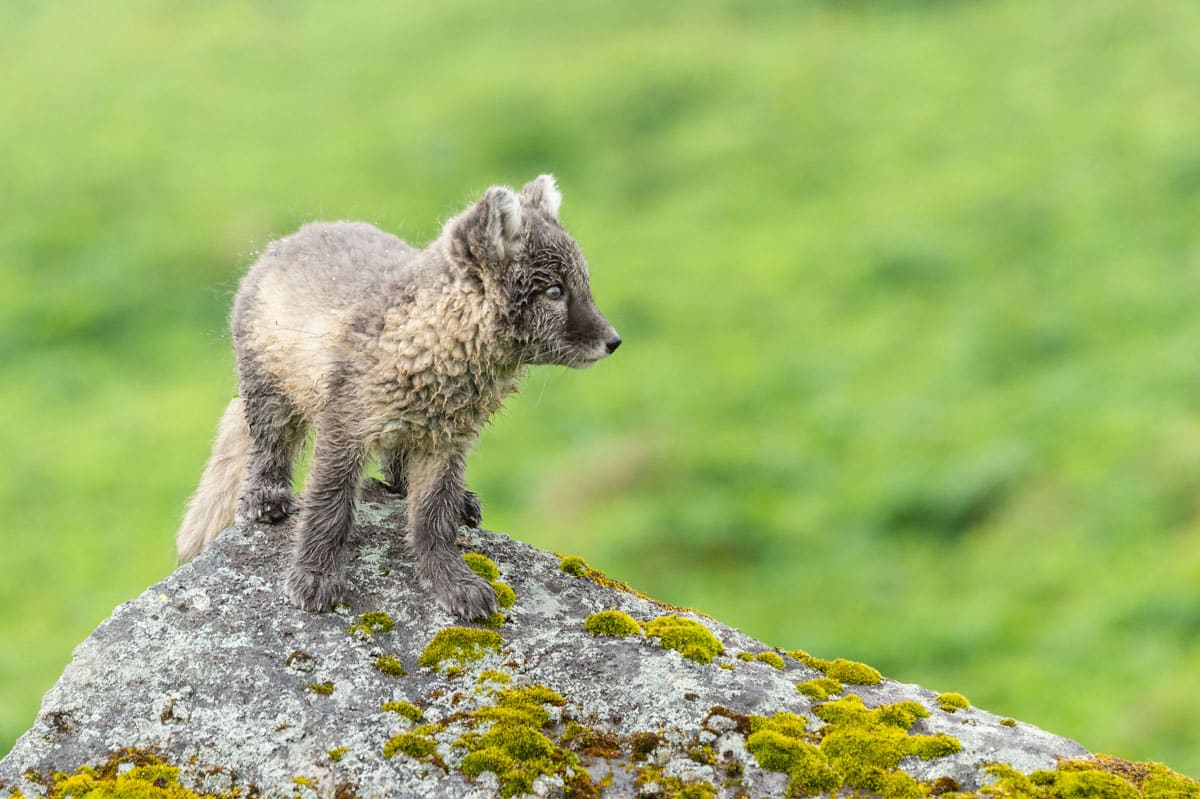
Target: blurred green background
<point>909,292</point>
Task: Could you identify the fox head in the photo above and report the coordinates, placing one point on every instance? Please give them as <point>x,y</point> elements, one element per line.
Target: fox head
<point>516,247</point>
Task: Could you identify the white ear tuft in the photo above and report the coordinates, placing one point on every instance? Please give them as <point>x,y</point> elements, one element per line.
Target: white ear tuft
<point>542,192</point>
<point>503,218</point>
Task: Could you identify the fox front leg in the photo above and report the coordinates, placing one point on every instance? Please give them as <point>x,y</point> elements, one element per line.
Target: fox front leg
<point>394,466</point>
<point>435,508</point>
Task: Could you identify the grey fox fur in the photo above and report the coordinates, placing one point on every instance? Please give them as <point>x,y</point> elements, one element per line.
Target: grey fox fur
<point>397,352</point>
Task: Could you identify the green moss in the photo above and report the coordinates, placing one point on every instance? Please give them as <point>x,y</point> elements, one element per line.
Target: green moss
<point>726,666</point>
<point>337,754</point>
<point>494,676</point>
<point>494,620</point>
<point>325,688</point>
<point>390,665</point>
<point>789,724</point>
<point>1009,722</point>
<point>772,659</point>
<point>853,673</point>
<point>405,709</point>
<point>858,748</point>
<point>505,596</point>
<point>927,747</point>
<point>482,565</point>
<point>459,644</point>
<point>305,781</point>
<point>514,747</point>
<point>690,638</point>
<point>370,623</point>
<point>704,755</point>
<point>612,622</point>
<point>414,744</point>
<point>808,767</point>
<point>808,660</point>
<point>128,774</point>
<point>950,702</point>
<point>671,787</point>
<point>577,567</point>
<point>820,688</point>
<point>745,656</point>
<point>574,566</point>
<point>1100,777</point>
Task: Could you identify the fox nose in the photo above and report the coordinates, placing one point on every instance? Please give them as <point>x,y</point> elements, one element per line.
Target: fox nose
<point>612,344</point>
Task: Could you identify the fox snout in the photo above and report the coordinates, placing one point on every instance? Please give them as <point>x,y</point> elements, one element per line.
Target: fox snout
<point>597,339</point>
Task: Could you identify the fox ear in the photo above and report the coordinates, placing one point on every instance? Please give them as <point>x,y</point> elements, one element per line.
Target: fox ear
<point>490,230</point>
<point>542,192</point>
<point>501,217</point>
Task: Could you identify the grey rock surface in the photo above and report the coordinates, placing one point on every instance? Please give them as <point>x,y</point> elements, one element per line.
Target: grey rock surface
<point>213,669</point>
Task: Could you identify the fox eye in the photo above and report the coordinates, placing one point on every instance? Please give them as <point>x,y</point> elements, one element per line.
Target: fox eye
<point>554,292</point>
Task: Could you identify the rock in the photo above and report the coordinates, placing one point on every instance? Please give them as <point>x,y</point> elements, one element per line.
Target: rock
<point>213,672</point>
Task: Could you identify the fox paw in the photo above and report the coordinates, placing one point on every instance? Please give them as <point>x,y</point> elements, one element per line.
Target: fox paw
<point>472,513</point>
<point>266,505</point>
<point>316,592</point>
<point>461,592</point>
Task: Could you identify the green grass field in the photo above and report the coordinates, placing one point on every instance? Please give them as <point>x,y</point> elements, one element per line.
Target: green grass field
<point>909,292</point>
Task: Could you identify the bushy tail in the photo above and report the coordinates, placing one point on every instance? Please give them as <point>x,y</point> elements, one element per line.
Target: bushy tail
<point>211,509</point>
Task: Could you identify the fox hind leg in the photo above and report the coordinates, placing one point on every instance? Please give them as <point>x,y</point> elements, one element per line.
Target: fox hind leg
<point>276,432</point>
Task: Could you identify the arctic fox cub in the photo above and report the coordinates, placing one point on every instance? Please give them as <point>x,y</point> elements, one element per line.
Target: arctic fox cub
<point>392,351</point>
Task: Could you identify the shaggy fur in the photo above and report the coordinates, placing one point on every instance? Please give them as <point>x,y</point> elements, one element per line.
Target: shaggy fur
<point>392,351</point>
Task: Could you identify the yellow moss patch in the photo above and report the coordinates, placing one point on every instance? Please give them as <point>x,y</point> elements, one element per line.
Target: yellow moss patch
<point>612,622</point>
<point>128,774</point>
<point>858,748</point>
<point>690,638</point>
<point>505,596</point>
<point>325,688</point>
<point>672,787</point>
<point>1101,777</point>
<point>820,688</point>
<point>772,659</point>
<point>337,754</point>
<point>416,744</point>
<point>577,567</point>
<point>779,743</point>
<point>951,702</point>
<point>853,673</point>
<point>482,565</point>
<point>808,660</point>
<point>405,709</point>
<point>494,676</point>
<point>371,623</point>
<point>389,665</point>
<point>459,644</point>
<point>515,747</point>
<point>494,620</point>
<point>574,566</point>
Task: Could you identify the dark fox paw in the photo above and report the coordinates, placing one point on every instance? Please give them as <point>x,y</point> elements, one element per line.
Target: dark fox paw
<point>461,592</point>
<point>266,505</point>
<point>472,513</point>
<point>316,592</point>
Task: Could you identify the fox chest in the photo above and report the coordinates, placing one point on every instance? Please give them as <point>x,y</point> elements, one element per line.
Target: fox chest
<point>439,405</point>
